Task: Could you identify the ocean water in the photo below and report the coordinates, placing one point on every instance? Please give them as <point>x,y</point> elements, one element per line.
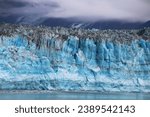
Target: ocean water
<point>61,95</point>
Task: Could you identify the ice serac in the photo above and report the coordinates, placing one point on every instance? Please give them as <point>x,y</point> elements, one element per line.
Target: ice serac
<point>75,63</point>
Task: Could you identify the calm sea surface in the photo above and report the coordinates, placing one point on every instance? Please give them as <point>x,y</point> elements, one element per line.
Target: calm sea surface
<point>59,95</point>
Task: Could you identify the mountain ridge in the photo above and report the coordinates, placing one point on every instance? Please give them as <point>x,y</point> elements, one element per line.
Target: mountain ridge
<point>72,22</point>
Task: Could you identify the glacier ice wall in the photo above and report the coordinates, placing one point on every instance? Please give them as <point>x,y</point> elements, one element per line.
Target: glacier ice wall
<point>74,64</point>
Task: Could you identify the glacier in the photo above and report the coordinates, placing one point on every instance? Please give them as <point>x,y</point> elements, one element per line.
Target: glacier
<point>109,60</point>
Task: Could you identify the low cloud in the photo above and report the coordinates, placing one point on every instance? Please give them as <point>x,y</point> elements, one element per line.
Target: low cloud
<point>86,10</point>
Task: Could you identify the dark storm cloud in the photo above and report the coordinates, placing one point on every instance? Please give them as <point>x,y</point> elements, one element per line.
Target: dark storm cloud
<point>27,10</point>
<point>23,6</point>
<point>6,4</point>
<point>91,10</point>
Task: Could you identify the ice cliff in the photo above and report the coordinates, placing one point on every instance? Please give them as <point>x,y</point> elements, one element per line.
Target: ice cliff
<point>42,58</point>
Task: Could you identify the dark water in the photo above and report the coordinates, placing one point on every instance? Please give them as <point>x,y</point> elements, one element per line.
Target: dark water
<point>53,95</point>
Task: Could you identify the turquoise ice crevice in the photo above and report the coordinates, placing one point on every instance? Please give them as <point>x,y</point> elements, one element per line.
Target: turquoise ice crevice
<point>75,64</point>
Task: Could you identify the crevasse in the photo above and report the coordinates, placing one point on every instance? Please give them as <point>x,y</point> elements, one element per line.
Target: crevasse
<point>74,64</point>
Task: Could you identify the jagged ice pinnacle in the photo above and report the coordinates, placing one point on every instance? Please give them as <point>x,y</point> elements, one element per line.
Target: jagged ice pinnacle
<point>38,58</point>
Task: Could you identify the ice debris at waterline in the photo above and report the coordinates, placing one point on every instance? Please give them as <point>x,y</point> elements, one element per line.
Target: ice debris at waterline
<point>44,58</point>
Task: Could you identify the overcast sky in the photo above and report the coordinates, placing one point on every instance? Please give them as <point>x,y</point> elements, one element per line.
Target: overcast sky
<point>88,10</point>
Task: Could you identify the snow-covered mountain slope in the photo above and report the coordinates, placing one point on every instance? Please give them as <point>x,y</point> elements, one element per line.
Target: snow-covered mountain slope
<point>74,59</point>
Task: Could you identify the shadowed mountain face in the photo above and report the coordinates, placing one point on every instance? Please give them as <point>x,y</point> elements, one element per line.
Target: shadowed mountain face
<point>97,25</point>
<point>70,22</point>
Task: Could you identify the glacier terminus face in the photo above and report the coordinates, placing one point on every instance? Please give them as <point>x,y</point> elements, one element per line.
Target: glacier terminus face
<point>56,59</point>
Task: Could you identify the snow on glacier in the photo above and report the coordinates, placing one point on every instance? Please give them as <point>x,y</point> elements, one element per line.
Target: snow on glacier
<point>75,64</point>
